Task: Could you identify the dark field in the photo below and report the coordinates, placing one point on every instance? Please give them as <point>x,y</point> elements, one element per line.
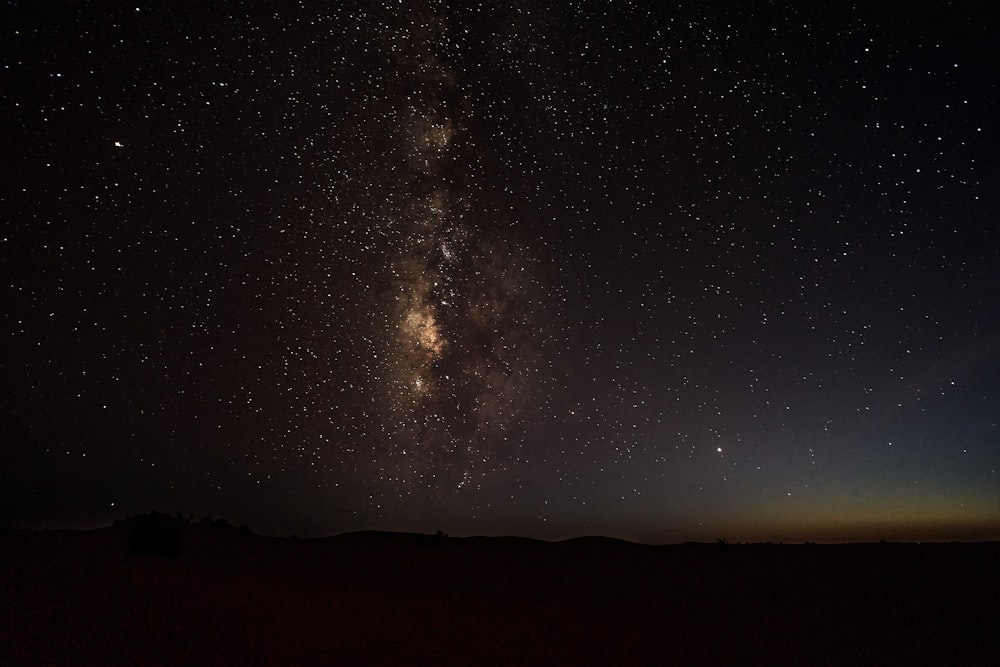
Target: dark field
<point>81,598</point>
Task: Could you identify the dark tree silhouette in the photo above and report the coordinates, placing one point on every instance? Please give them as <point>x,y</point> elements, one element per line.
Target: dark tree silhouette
<point>154,534</point>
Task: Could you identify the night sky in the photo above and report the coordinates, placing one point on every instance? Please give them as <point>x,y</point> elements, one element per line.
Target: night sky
<point>660,271</point>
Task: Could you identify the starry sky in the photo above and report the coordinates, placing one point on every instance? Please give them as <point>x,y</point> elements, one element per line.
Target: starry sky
<point>659,271</point>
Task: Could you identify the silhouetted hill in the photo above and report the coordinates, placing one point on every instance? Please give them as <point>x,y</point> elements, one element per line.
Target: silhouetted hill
<point>598,541</point>
<point>506,541</point>
<point>231,597</point>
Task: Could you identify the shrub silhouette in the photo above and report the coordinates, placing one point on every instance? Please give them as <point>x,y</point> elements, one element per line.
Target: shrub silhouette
<point>154,534</point>
<point>223,526</point>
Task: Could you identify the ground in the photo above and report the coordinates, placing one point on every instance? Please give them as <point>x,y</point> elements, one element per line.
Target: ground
<point>230,598</point>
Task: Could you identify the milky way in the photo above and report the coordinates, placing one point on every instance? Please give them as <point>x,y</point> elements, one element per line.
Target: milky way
<point>455,355</point>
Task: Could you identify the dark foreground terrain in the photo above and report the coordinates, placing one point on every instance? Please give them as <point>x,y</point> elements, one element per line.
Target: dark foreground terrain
<point>86,598</point>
